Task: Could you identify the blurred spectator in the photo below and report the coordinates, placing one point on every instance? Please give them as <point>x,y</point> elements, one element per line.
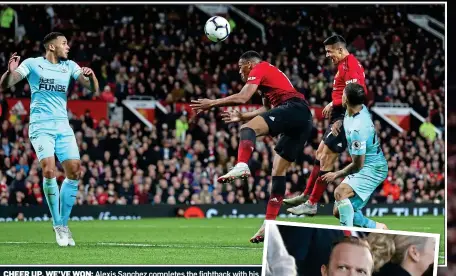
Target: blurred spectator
<point>181,128</point>
<point>7,17</point>
<point>427,130</point>
<point>107,95</point>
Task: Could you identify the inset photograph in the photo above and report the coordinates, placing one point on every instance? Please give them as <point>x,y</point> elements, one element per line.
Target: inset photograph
<point>302,249</point>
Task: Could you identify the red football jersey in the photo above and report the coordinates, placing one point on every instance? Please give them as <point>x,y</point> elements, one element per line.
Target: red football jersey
<point>349,70</point>
<point>273,83</point>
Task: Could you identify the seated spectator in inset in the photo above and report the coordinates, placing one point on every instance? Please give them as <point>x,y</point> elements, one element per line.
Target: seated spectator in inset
<point>402,255</point>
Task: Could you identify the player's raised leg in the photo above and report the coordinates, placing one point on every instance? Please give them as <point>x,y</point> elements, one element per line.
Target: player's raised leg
<point>249,131</point>
<point>68,153</point>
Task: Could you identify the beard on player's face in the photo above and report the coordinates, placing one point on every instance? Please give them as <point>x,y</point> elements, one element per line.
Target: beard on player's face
<point>334,53</point>
<point>61,54</point>
<point>336,58</point>
<point>62,48</point>
<point>344,101</point>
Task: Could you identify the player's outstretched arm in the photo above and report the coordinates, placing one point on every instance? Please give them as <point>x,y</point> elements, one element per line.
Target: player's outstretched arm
<point>11,77</point>
<point>88,79</point>
<point>240,98</point>
<point>252,114</point>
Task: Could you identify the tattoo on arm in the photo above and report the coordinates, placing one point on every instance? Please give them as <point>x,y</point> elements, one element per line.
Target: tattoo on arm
<point>9,79</point>
<point>89,83</point>
<point>355,166</point>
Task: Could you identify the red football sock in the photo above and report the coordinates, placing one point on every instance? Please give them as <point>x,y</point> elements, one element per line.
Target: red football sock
<point>318,190</point>
<point>274,204</point>
<point>245,150</point>
<point>312,179</point>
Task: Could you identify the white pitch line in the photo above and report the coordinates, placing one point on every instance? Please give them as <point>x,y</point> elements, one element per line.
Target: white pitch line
<point>176,246</point>
<point>143,245</point>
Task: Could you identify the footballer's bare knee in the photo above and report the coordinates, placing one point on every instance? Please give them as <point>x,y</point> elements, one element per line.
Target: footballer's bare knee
<point>72,169</point>
<point>48,167</point>
<point>343,191</point>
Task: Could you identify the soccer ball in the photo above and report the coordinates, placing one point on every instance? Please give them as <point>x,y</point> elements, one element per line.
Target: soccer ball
<point>217,29</point>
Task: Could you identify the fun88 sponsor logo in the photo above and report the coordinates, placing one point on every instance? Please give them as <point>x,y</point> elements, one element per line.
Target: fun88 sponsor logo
<point>50,85</point>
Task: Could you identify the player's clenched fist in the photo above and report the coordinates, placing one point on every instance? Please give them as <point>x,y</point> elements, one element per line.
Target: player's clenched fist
<point>13,62</point>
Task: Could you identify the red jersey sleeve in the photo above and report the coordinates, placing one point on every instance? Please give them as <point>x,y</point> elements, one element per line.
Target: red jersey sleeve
<point>257,74</point>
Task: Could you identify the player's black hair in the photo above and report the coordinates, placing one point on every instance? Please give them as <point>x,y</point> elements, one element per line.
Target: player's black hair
<point>334,39</point>
<point>250,55</point>
<point>51,36</point>
<point>355,94</point>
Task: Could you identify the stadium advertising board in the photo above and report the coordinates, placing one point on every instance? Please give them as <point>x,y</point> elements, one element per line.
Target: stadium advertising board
<point>239,211</point>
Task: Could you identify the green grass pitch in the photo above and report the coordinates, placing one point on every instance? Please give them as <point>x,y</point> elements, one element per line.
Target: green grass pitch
<point>163,241</point>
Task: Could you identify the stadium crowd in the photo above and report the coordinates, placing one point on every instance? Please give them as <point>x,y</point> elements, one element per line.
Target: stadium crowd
<point>162,52</point>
